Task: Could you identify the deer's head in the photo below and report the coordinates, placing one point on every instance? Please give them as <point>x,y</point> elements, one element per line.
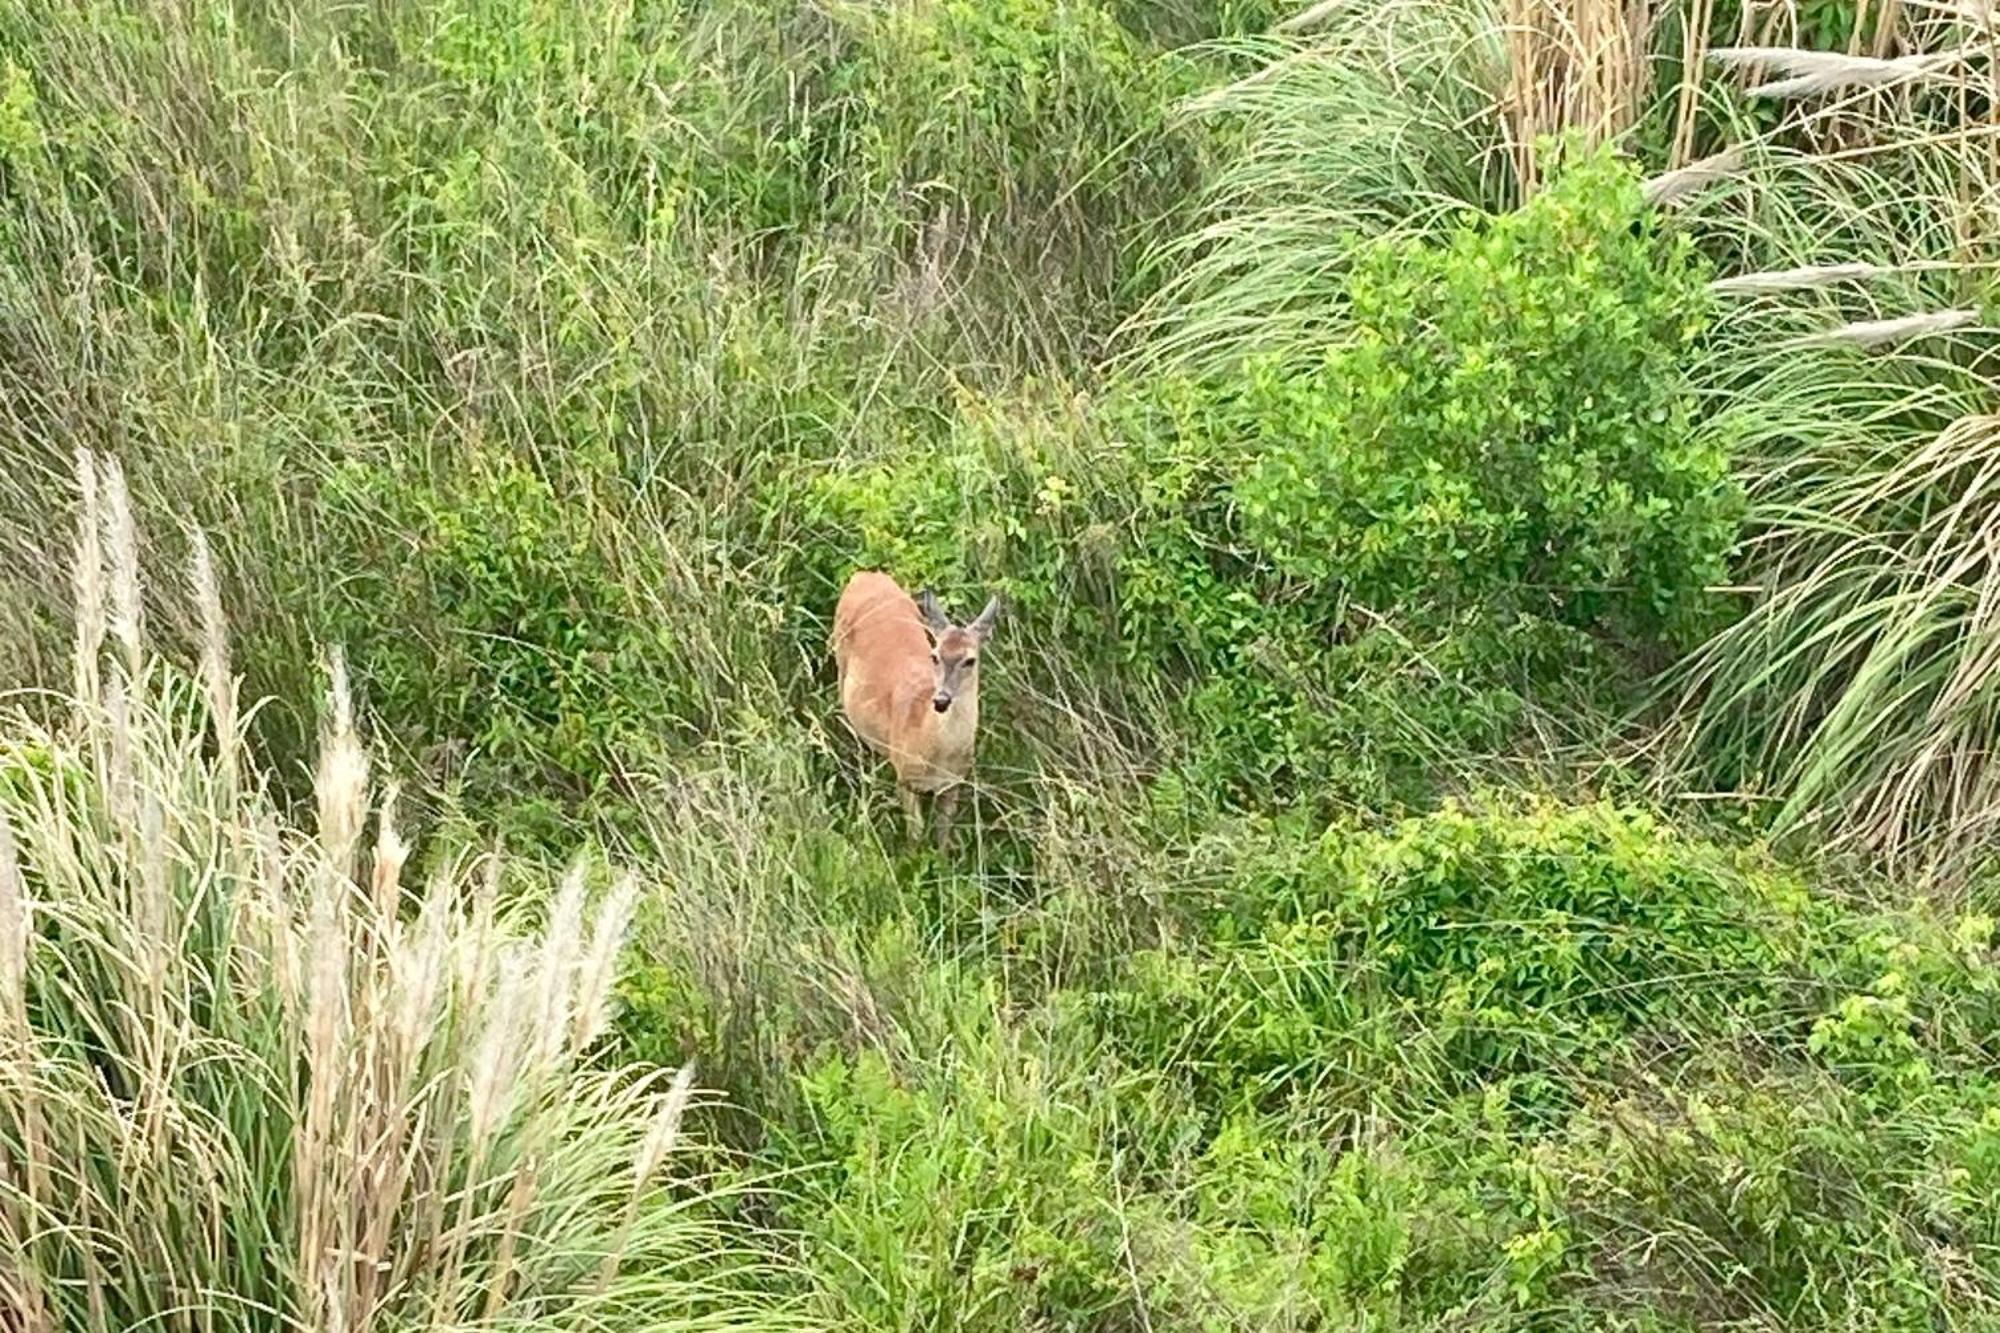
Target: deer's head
<point>955,649</point>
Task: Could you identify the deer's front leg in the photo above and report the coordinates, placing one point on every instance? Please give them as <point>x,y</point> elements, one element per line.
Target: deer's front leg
<point>945,810</point>
<point>913,815</point>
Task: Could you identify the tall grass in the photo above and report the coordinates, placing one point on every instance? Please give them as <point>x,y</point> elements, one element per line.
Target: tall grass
<point>1844,195</point>
<point>254,1079</point>
<point>1367,118</point>
<point>1376,122</point>
<point>1853,382</point>
<point>338,283</point>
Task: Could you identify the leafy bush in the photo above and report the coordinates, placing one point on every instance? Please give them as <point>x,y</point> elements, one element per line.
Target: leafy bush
<point>1526,943</point>
<point>486,618</point>
<point>1598,1071</point>
<point>1505,426</point>
<point>1911,1008</point>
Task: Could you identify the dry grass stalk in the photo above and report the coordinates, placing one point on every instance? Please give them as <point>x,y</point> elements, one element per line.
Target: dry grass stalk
<point>665,1128</point>
<point>155,911</point>
<point>283,953</point>
<point>562,955</point>
<point>341,786</point>
<point>218,683</point>
<point>489,1092</point>
<point>1311,16</point>
<point>1808,73</point>
<point>661,1134</point>
<point>87,578</point>
<point>15,927</point>
<point>1806,276</point>
<point>497,1058</point>
<point>326,1024</point>
<point>1882,332</point>
<point>122,787</point>
<point>1697,20</point>
<point>121,552</point>
<point>422,963</point>
<point>1573,65</point>
<point>391,852</point>
<point>1673,186</point>
<point>27,1182</point>
<point>600,963</point>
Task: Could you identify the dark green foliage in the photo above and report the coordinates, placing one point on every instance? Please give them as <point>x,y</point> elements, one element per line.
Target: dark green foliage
<point>534,668</point>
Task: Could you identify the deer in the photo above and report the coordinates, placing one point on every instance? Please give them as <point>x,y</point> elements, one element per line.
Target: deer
<point>909,686</point>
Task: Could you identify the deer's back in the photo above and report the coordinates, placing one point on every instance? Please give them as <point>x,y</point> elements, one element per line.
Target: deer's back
<point>877,621</point>
<point>883,654</point>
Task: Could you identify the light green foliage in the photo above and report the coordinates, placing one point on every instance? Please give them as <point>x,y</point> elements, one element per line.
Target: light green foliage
<point>1297,1230</point>
<point>1759,1196</point>
<point>1460,948</point>
<point>1504,427</point>
<point>1517,994</point>
<point>972,1193</point>
<point>20,129</point>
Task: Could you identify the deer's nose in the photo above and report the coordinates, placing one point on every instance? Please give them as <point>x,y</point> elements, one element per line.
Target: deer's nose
<point>940,701</point>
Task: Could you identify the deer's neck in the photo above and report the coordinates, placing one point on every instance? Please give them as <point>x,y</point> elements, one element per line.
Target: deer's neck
<point>953,730</point>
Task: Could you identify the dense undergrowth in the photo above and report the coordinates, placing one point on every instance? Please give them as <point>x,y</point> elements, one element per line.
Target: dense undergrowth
<point>1484,803</point>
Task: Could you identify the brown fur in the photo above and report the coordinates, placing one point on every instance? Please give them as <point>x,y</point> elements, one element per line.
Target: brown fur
<point>894,668</point>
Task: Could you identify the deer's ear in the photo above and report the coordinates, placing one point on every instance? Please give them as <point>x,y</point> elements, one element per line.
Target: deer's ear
<point>982,624</point>
<point>933,614</point>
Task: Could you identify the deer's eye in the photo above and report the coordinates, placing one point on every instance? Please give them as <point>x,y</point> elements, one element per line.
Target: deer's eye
<point>934,659</point>
<point>972,661</point>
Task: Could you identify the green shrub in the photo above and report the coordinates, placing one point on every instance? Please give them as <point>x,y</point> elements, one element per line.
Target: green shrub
<point>1524,943</point>
<point>1506,426</point>
<point>1502,430</point>
<point>1294,1221</point>
<point>1911,1007</point>
<point>967,1189</point>
<point>1760,1196</point>
<point>486,617</point>
<point>1284,1229</point>
<point>1109,531</point>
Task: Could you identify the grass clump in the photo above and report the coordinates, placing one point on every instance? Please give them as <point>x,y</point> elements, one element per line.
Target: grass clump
<point>968,1186</point>
<point>1504,426</point>
<point>254,1076</point>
